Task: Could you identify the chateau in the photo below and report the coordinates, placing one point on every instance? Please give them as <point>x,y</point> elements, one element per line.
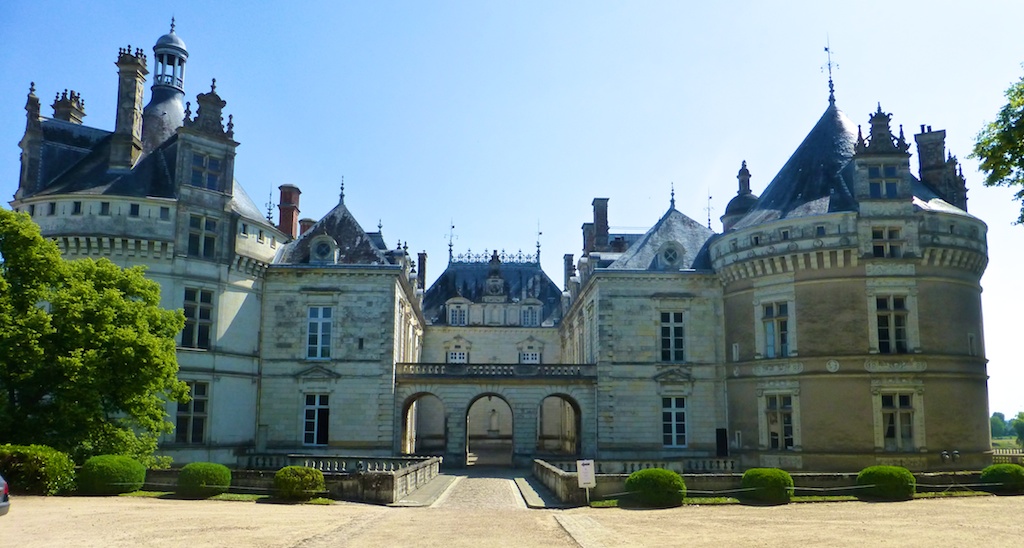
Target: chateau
<point>834,323</point>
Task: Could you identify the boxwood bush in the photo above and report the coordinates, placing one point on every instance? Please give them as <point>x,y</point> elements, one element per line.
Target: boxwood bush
<point>203,479</point>
<point>110,475</point>
<point>37,469</point>
<point>656,487</point>
<point>888,483</point>
<point>298,482</point>
<point>1006,479</point>
<point>771,486</point>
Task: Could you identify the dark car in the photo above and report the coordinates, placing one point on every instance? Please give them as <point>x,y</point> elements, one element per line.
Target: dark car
<point>5,501</point>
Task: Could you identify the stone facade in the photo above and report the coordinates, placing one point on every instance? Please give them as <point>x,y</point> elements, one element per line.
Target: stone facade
<point>833,324</point>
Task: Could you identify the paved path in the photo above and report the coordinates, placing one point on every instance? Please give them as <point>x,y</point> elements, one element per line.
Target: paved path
<point>482,489</point>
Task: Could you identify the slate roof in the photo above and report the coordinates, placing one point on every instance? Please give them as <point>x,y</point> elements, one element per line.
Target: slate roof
<point>355,245</point>
<point>811,182</point>
<point>469,280</point>
<point>688,235</point>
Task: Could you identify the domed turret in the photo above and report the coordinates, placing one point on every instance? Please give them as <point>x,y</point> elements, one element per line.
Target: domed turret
<point>166,110</point>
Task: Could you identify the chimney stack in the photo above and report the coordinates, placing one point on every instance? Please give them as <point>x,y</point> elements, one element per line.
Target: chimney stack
<point>600,224</point>
<point>305,225</point>
<point>69,107</point>
<point>421,268</point>
<point>288,208</point>
<point>569,270</point>
<point>126,144</point>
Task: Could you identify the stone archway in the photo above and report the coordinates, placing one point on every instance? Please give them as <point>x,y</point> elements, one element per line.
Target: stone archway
<point>424,429</point>
<point>489,427</point>
<point>558,426</point>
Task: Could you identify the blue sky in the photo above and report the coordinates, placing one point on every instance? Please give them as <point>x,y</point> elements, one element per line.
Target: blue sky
<point>501,115</point>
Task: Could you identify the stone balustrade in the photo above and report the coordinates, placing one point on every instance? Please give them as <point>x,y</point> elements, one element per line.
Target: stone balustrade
<point>502,370</point>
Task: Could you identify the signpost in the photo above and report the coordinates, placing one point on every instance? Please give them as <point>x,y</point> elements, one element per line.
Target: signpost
<point>586,476</point>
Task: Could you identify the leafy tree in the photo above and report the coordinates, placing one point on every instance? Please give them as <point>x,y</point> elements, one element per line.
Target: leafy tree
<point>998,425</point>
<point>1016,426</point>
<point>1000,145</point>
<point>88,358</point>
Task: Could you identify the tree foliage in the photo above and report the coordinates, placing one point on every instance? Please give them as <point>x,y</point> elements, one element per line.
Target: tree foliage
<point>998,422</point>
<point>999,147</point>
<point>88,359</point>
<point>1015,426</point>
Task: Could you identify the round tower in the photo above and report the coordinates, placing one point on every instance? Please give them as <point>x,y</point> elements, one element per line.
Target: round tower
<point>166,110</point>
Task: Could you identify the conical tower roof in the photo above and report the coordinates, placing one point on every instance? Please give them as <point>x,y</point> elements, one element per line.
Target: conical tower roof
<point>811,182</point>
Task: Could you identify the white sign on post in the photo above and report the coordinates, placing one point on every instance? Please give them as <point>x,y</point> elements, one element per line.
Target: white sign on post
<point>585,473</point>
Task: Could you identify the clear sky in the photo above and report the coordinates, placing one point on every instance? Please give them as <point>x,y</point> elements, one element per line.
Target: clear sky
<point>501,116</point>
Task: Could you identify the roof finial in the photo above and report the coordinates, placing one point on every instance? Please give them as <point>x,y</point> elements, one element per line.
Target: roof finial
<point>270,206</point>
<point>341,199</point>
<point>380,225</point>
<point>451,239</point>
<point>539,234</point>
<point>31,87</point>
<point>672,201</point>
<point>213,85</point>
<point>831,87</point>
<point>172,24</point>
<point>708,209</point>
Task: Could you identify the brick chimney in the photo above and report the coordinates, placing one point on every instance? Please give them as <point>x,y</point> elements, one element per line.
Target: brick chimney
<point>305,225</point>
<point>126,144</point>
<point>600,224</point>
<point>69,106</point>
<point>288,206</point>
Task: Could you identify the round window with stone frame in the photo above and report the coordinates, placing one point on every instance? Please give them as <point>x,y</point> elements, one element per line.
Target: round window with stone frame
<point>323,250</point>
<point>670,255</point>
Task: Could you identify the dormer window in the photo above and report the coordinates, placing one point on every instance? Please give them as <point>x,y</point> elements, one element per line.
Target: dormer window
<point>882,182</point>
<point>530,316</point>
<point>457,314</point>
<point>206,171</point>
<point>670,255</point>
<point>322,250</point>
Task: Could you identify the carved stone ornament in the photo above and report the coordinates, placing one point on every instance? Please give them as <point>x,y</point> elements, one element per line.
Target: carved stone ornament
<point>911,366</point>
<point>316,372</point>
<point>832,366</point>
<point>890,270</point>
<point>676,375</point>
<point>768,370</point>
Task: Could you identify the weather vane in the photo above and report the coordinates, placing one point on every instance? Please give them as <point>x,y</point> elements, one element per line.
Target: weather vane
<point>709,208</point>
<point>451,239</point>
<point>828,55</point>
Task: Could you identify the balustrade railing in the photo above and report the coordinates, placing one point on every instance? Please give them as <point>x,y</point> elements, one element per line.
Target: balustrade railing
<point>516,370</point>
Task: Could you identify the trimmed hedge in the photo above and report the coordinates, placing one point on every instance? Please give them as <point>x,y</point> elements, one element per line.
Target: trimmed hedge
<point>772,486</point>
<point>37,469</point>
<point>111,475</point>
<point>656,487</point>
<point>203,479</point>
<point>1006,479</point>
<point>298,482</point>
<point>889,483</point>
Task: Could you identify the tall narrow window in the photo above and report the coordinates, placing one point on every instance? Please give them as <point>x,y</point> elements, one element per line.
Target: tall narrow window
<point>198,318</point>
<point>775,319</point>
<point>206,171</point>
<point>898,420</point>
<point>76,208</point>
<point>133,210</point>
<point>886,242</point>
<point>891,311</point>
<point>202,236</point>
<point>672,337</point>
<point>190,426</point>
<point>104,208</point>
<point>882,181</point>
<point>779,412</point>
<point>316,418</point>
<point>673,422</point>
<point>318,344</point>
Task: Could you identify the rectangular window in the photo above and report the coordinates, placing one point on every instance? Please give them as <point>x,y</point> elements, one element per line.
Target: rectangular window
<point>133,210</point>
<point>775,320</point>
<point>165,214</point>
<point>457,315</point>
<point>206,171</point>
<point>104,208</point>
<point>458,356</point>
<point>530,317</point>
<point>190,426</point>
<point>244,231</point>
<point>76,208</point>
<point>51,208</point>
<point>672,337</point>
<point>673,422</point>
<point>529,357</point>
<point>32,210</point>
<point>318,343</point>
<point>198,318</point>
<point>316,417</point>
<point>202,236</point>
<point>819,231</point>
<point>886,242</point>
<point>779,412</point>
<point>892,324</point>
<point>882,182</point>
<point>898,421</point>
<point>784,234</point>
<point>259,236</point>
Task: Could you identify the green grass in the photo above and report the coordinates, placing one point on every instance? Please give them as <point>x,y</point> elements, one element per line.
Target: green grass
<point>1005,442</point>
<point>688,501</point>
<point>237,497</point>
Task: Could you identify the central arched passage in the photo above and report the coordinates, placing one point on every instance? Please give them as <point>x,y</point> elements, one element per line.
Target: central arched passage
<point>489,427</point>
<point>423,427</point>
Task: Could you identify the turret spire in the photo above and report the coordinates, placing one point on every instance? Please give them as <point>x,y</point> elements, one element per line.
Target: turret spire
<point>831,87</point>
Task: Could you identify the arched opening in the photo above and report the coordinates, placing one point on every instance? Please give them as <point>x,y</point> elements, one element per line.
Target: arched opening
<point>558,426</point>
<point>423,426</point>
<point>489,432</point>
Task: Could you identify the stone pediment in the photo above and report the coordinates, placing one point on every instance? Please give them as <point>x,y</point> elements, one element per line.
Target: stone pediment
<point>317,372</point>
<point>676,375</point>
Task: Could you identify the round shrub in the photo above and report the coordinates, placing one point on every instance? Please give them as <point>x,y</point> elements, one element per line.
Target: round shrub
<point>37,469</point>
<point>110,475</point>
<point>203,479</point>
<point>298,482</point>
<point>656,487</point>
<point>1004,478</point>
<point>888,483</point>
<point>770,486</point>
